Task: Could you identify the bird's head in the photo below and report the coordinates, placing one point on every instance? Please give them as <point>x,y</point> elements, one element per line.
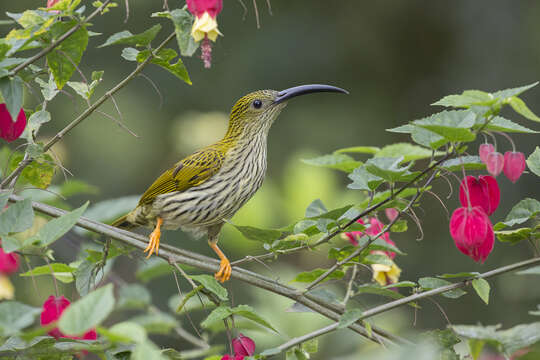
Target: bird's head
<point>255,112</point>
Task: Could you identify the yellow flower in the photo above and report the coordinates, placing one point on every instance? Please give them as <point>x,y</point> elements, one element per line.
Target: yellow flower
<point>7,291</point>
<point>386,274</point>
<point>205,25</point>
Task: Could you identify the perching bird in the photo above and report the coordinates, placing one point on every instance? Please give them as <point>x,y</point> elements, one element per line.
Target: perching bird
<point>201,192</point>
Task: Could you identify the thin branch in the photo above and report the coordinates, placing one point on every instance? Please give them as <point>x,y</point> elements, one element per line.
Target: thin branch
<point>88,111</point>
<point>331,311</point>
<point>51,47</point>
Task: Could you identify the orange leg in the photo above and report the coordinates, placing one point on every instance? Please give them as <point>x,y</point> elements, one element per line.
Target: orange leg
<point>225,269</point>
<point>153,244</point>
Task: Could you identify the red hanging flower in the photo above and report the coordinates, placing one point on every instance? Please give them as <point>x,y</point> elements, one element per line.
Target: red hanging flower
<point>9,262</point>
<point>11,130</point>
<point>514,165</point>
<point>205,26</point>
<point>495,163</point>
<point>373,230</point>
<point>243,345</point>
<point>483,192</point>
<point>231,357</point>
<point>472,232</point>
<point>484,150</point>
<point>53,307</point>
<point>391,213</point>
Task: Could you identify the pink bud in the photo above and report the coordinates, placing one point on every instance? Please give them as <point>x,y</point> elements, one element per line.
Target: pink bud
<point>483,192</point>
<point>9,262</point>
<point>472,232</point>
<point>484,150</point>
<point>495,163</point>
<point>243,345</point>
<point>391,213</point>
<point>514,165</point>
<point>51,3</point>
<point>199,7</point>
<point>11,130</point>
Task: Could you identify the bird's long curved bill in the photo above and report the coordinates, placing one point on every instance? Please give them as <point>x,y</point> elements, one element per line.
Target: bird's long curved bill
<point>287,94</point>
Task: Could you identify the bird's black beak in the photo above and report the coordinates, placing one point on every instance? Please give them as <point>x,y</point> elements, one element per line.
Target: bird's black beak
<point>285,95</point>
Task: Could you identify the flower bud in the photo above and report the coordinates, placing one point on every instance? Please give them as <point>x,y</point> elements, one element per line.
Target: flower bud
<point>53,307</point>
<point>495,163</point>
<point>472,232</point>
<point>11,130</point>
<point>514,165</point>
<point>9,262</point>
<point>483,192</point>
<point>391,213</point>
<point>243,345</point>
<point>484,150</point>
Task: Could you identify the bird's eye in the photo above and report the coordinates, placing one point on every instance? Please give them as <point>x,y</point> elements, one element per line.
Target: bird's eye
<point>257,104</point>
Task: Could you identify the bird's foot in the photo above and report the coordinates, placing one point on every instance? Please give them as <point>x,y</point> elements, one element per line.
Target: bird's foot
<point>153,244</point>
<point>225,270</point>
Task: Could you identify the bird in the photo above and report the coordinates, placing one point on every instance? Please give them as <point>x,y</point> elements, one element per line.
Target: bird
<point>201,192</point>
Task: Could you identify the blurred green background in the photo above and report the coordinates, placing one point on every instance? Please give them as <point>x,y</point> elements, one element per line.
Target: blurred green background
<point>395,58</point>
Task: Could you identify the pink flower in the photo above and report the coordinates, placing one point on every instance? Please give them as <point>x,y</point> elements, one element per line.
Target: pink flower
<point>495,163</point>
<point>472,232</point>
<point>230,357</point>
<point>53,307</point>
<point>243,345</point>
<point>373,230</point>
<point>9,263</point>
<point>51,3</point>
<point>391,213</point>
<point>483,192</point>
<point>205,26</point>
<point>484,150</point>
<point>514,165</point>
<point>199,7</point>
<point>10,130</point>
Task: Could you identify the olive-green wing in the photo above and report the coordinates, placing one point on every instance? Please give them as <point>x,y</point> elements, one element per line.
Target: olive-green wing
<point>189,172</point>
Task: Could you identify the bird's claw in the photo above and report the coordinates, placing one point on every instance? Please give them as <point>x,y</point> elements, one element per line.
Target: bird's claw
<point>225,270</point>
<point>153,244</point>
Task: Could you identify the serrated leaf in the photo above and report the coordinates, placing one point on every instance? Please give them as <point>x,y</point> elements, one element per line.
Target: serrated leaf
<point>64,58</point>
<point>466,99</point>
<point>522,212</point>
<point>452,125</point>
<point>481,286</point>
<point>364,180</point>
<point>506,93</point>
<point>56,228</point>
<point>264,235</point>
<point>34,123</point>
<point>246,311</point>
<point>428,283</point>
<point>341,162</point>
<point>389,169</point>
<point>80,88</point>
<point>533,161</point>
<point>87,312</point>
<point>183,21</point>
<point>130,53</point>
<point>127,38</point>
<point>382,259</point>
<point>315,208</point>
<point>164,59</point>
<point>349,317</point>
<point>520,107</point>
<point>427,138</point>
<point>211,284</point>
<point>309,276</point>
<point>61,271</point>
<point>17,217</point>
<point>408,151</point>
<point>12,92</point>
<point>470,162</point>
<point>48,89</point>
<point>501,124</point>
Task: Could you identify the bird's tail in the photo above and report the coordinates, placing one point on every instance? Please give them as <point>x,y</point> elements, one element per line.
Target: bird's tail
<point>123,223</point>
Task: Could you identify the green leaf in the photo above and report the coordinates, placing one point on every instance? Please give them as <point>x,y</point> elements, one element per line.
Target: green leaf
<point>164,59</point>
<point>146,351</point>
<point>481,287</point>
<point>428,283</point>
<point>399,226</point>
<point>56,228</point>
<point>382,259</point>
<point>533,161</point>
<point>334,161</point>
<point>507,93</point>
<point>87,312</point>
<point>211,284</point>
<point>311,346</point>
<point>17,217</point>
<point>389,169</point>
<point>501,124</point>
<point>15,316</point>
<point>475,348</point>
<point>401,284</point>
<point>364,180</point>
<point>309,276</point>
<point>470,162</point>
<point>378,290</point>
<point>316,208</point>
<point>408,151</point>
<point>460,275</point>
<point>34,123</point>
<point>253,233</point>
<point>519,106</point>
<point>452,125</point>
<point>38,173</point>
<point>48,89</point>
<point>127,38</point>
<point>522,212</point>
<point>64,58</point>
<point>514,236</point>
<point>133,296</point>
<point>359,149</point>
<point>61,271</point>
<point>349,317</point>
<point>466,99</point>
<point>130,53</point>
<point>80,88</point>
<point>12,92</point>
<point>427,138</point>
<point>128,330</point>
<point>246,311</point>
<point>531,271</point>
<point>183,21</point>
<point>4,197</point>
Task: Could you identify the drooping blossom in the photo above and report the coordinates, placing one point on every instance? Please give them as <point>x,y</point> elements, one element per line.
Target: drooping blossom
<point>51,3</point>
<point>386,274</point>
<point>53,307</point>
<point>472,232</point>
<point>495,163</point>
<point>243,345</point>
<point>483,192</point>
<point>514,165</point>
<point>484,150</point>
<point>391,213</point>
<point>232,357</point>
<point>11,130</point>
<point>205,26</point>
<point>7,291</point>
<point>9,263</point>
